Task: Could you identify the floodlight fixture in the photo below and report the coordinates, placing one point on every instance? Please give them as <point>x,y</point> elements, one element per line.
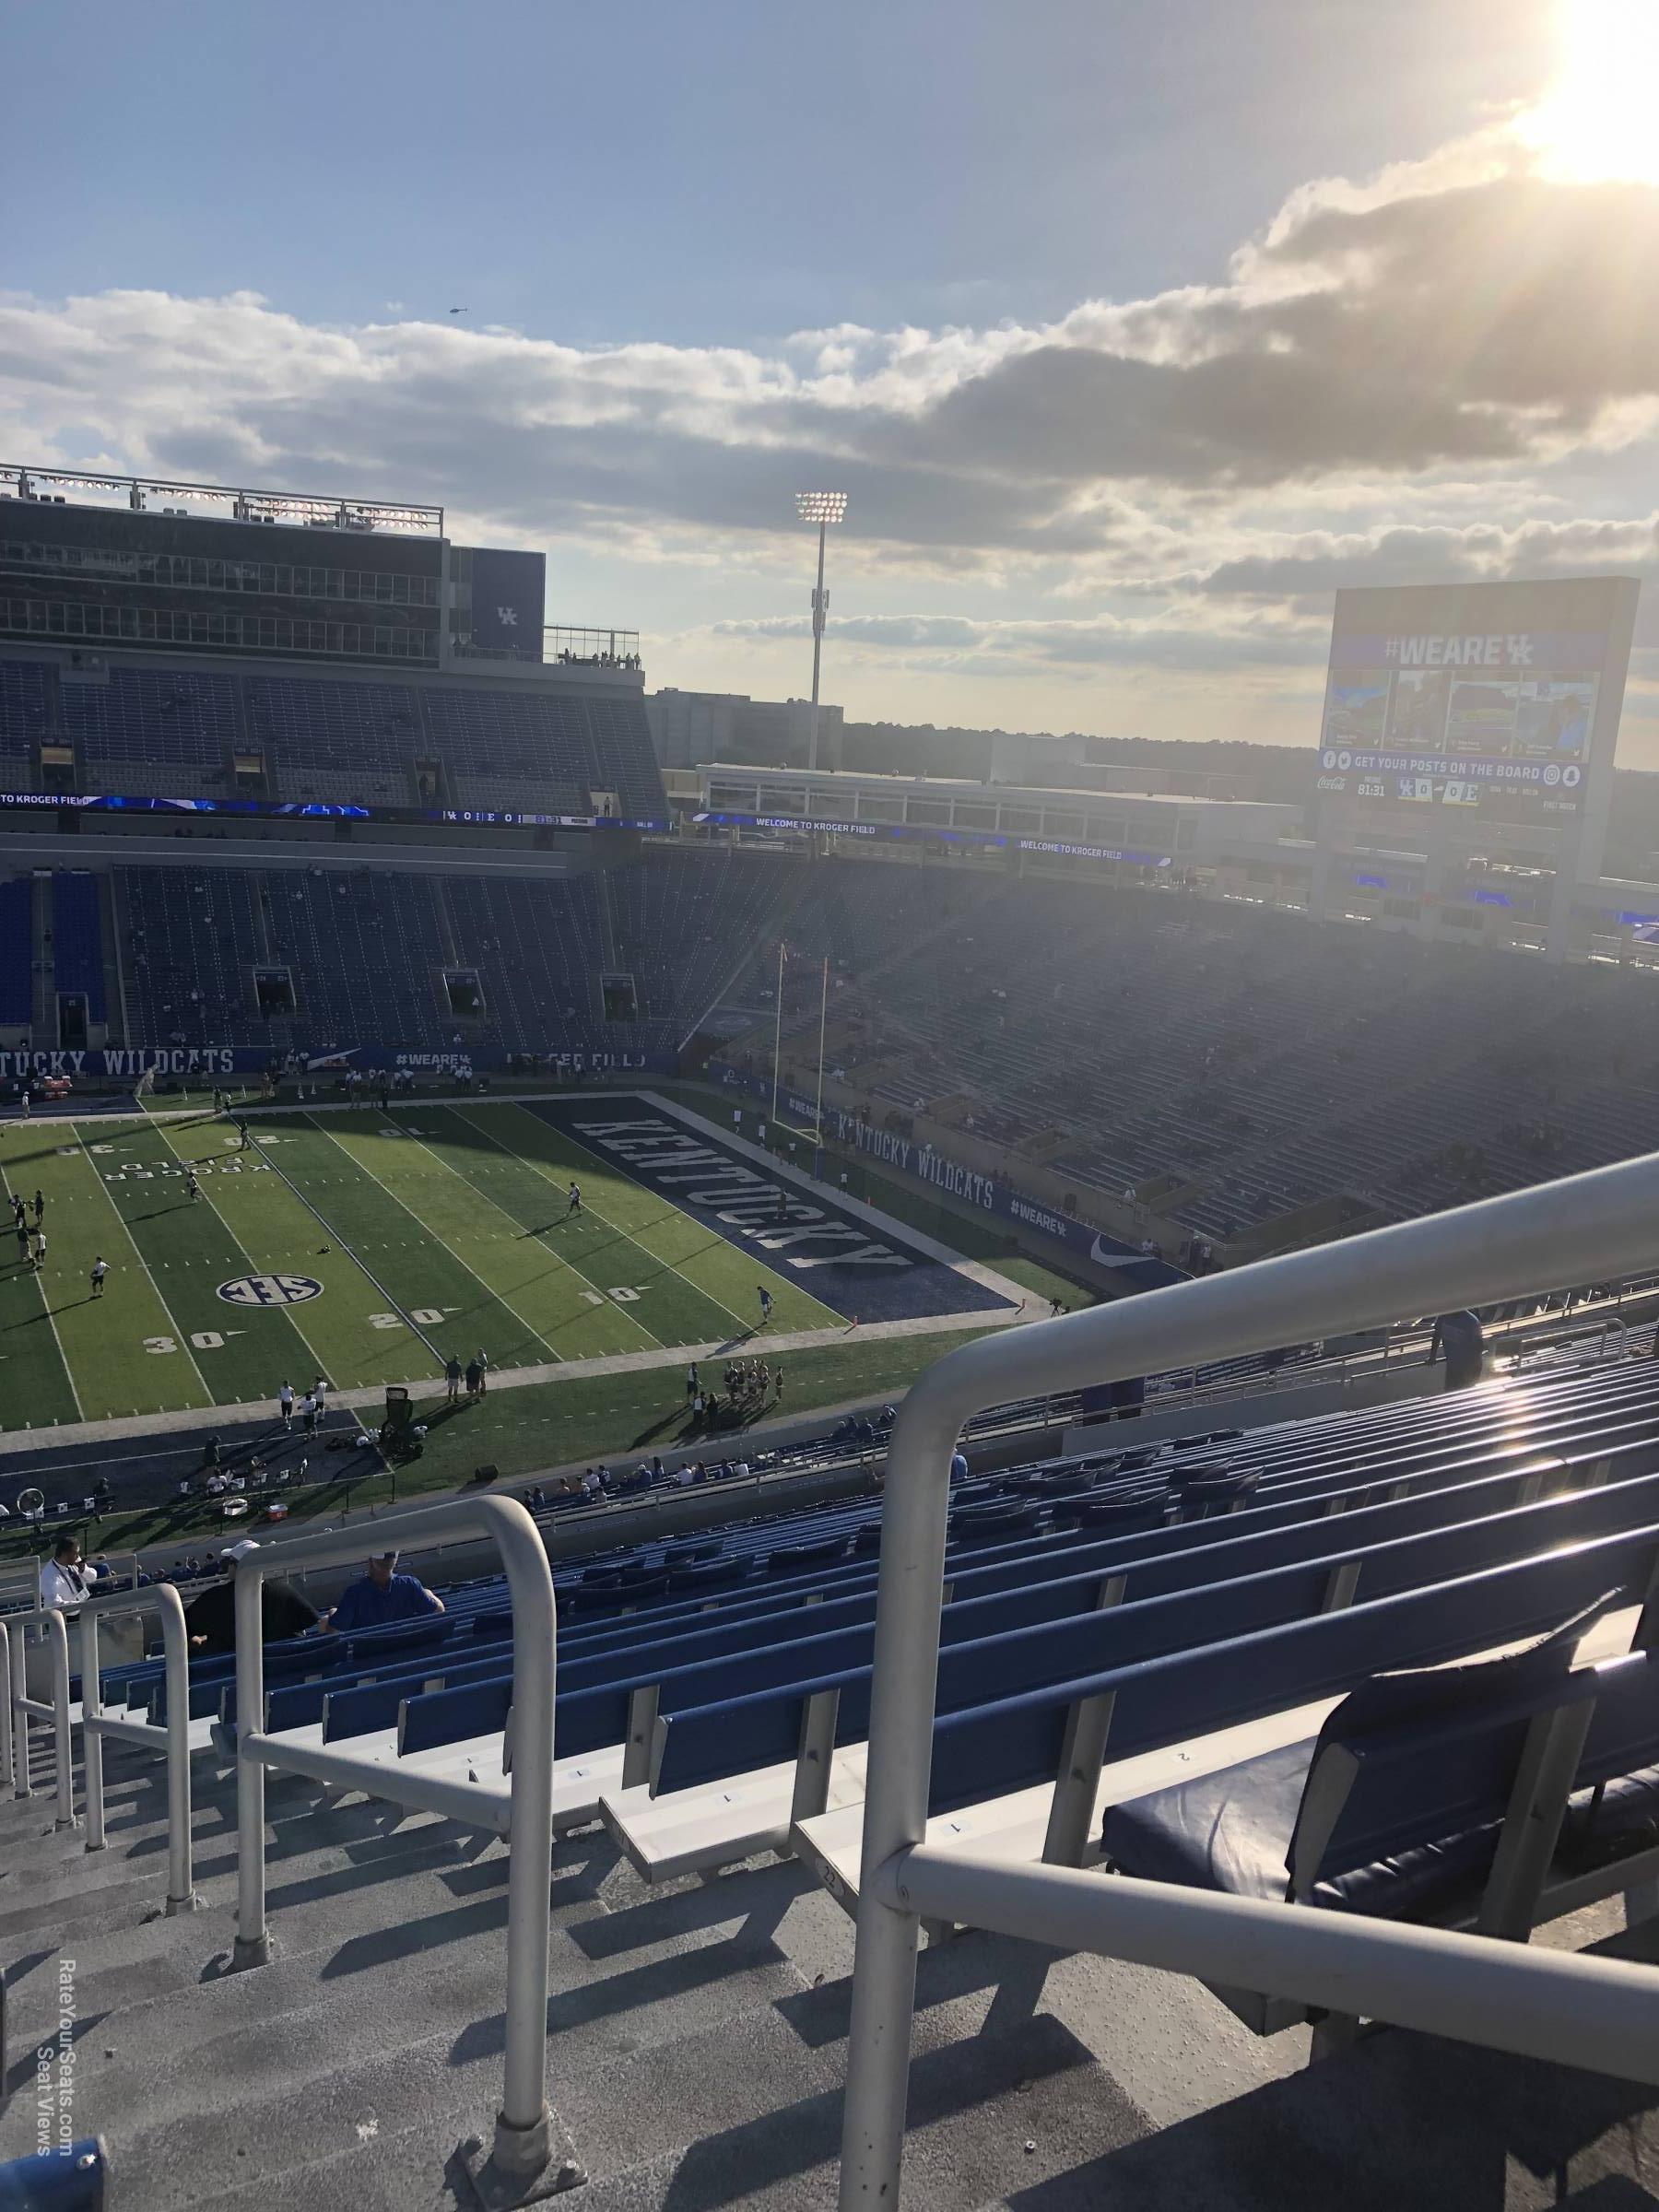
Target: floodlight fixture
<point>822,507</point>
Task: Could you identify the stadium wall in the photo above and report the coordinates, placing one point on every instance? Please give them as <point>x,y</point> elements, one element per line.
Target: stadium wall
<point>126,1064</point>
<point>925,1165</point>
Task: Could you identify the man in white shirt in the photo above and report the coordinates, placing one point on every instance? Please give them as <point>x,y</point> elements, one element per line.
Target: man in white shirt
<point>64,1585</point>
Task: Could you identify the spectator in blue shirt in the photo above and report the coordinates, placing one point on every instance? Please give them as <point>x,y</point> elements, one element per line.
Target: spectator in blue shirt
<point>381,1596</point>
<point>958,1466</point>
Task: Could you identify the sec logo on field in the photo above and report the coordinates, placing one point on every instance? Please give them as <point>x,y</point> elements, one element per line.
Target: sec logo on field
<point>270,1290</point>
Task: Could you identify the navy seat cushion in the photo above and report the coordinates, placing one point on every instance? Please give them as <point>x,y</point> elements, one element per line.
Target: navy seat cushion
<point>1228,1830</point>
<point>1234,1830</point>
<point>1609,1824</point>
<point>1439,1693</point>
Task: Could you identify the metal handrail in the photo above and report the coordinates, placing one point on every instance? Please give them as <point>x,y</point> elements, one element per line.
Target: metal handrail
<point>24,1708</point>
<point>1587,1226</point>
<point>524,2135</point>
<point>173,1739</point>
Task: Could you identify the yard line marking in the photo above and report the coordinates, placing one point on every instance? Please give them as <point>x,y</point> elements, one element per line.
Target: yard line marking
<point>51,1323</point>
<point>246,1256</point>
<point>355,1253</point>
<point>603,1166</point>
<point>181,1336</point>
<point>518,1227</point>
<point>432,1235</point>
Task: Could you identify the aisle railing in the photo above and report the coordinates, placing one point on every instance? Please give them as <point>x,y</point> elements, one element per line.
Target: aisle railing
<point>1582,2011</point>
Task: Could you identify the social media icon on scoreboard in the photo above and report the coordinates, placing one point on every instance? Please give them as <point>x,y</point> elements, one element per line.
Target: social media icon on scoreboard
<point>1345,761</point>
<point>1552,773</point>
<point>1571,777</point>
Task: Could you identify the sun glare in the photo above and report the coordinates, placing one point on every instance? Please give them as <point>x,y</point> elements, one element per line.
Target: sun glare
<point>1600,119</point>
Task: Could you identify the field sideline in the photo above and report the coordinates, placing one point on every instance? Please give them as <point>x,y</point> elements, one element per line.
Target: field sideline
<point>351,1244</point>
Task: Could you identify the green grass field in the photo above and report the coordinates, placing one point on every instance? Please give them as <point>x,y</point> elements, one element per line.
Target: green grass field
<point>440,1227</point>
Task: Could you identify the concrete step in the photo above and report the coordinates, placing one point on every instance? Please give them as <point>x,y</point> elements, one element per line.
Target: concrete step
<point>253,2046</point>
<point>313,1903</point>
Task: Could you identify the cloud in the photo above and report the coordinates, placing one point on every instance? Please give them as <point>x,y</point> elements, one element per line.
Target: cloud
<point>1415,376</point>
<point>1453,317</point>
<point>993,647</point>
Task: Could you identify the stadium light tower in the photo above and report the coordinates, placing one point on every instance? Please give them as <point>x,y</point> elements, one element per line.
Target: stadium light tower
<point>822,507</point>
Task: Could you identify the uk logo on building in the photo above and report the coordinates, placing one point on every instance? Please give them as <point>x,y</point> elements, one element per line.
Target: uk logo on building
<point>270,1290</point>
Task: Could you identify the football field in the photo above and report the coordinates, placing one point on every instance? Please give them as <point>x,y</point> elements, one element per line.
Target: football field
<point>366,1247</point>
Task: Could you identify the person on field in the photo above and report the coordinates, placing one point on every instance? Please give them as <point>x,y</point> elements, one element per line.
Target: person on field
<point>481,1360</point>
<point>575,1205</point>
<point>452,1376</point>
<point>40,1208</point>
<point>285,1404</point>
<point>100,1267</point>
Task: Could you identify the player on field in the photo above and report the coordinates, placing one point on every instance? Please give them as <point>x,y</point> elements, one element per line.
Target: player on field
<point>452,1376</point>
<point>575,1205</point>
<point>766,1305</point>
<point>242,1130</point>
<point>285,1404</point>
<point>40,1250</point>
<point>481,1360</point>
<point>19,1213</point>
<point>100,1267</point>
<point>22,1242</point>
<point>40,1205</point>
<point>191,1184</point>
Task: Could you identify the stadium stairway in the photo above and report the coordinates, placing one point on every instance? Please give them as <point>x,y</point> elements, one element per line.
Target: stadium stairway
<point>698,2027</point>
<point>697,2046</point>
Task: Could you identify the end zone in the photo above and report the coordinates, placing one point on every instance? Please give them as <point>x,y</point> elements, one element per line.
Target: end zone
<point>853,1258</point>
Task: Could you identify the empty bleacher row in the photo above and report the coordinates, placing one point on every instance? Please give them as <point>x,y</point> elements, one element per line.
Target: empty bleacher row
<point>367,952</point>
<point>690,1666</point>
<point>179,732</point>
<point>53,921</point>
<point>1247,1061</point>
<point>1220,1661</point>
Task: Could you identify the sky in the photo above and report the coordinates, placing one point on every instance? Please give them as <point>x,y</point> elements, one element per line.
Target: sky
<point>1131,333</point>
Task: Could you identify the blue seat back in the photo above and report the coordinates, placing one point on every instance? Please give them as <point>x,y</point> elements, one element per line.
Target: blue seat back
<point>452,1716</point>
<point>1014,1743</point>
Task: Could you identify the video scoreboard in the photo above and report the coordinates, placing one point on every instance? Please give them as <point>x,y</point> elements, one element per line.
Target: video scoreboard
<point>1499,701</point>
